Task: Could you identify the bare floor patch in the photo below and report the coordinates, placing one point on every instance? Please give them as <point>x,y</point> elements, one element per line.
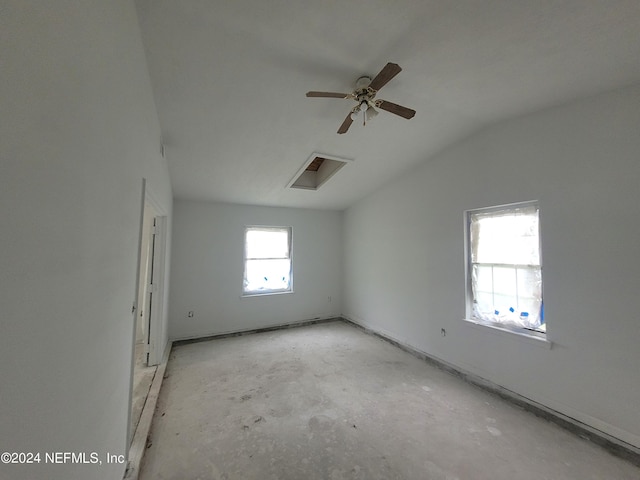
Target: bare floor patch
<point>331,402</point>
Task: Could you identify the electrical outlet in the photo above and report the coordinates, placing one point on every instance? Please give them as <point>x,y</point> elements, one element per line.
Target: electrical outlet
<point>190,314</point>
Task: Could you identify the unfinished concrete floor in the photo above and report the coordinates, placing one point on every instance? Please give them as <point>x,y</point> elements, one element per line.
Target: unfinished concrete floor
<point>142,379</point>
<point>329,401</point>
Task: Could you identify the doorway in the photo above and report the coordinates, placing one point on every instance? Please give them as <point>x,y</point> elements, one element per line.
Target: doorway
<point>145,284</point>
<point>148,308</point>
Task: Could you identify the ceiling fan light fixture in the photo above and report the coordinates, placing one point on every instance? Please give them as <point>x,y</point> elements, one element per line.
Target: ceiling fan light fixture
<point>371,113</point>
<point>355,112</point>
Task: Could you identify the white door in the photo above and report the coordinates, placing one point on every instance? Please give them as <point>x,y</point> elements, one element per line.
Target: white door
<point>145,288</point>
<point>150,287</point>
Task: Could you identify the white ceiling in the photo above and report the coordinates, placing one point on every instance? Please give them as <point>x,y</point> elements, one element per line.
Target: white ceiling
<point>230,79</point>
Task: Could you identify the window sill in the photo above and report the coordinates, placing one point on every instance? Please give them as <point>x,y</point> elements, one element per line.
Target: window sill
<point>265,294</point>
<point>522,336</point>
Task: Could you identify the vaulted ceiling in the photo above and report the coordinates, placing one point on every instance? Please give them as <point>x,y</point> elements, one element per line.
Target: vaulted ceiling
<point>230,78</point>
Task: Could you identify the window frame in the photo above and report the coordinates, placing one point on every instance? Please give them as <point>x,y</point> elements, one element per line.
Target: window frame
<point>469,297</point>
<point>278,291</point>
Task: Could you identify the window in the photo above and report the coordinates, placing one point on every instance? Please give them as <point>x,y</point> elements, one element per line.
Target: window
<point>267,260</point>
<point>504,267</point>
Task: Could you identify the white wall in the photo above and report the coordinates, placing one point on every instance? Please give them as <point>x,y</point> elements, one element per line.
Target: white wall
<point>207,268</point>
<point>404,256</point>
<point>79,132</point>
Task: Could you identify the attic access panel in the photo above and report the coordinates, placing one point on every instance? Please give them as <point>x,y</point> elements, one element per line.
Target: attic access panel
<point>316,171</point>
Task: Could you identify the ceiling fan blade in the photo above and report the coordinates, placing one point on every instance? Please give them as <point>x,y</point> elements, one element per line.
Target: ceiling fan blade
<point>403,112</point>
<point>328,95</point>
<point>389,71</point>
<point>346,124</point>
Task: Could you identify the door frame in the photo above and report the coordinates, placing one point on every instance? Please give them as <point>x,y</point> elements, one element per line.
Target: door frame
<point>156,319</point>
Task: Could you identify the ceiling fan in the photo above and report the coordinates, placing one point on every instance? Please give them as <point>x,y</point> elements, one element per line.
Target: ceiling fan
<point>364,93</point>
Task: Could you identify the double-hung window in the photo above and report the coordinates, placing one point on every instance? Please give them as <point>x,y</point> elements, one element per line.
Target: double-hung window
<point>267,260</point>
<point>505,268</point>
